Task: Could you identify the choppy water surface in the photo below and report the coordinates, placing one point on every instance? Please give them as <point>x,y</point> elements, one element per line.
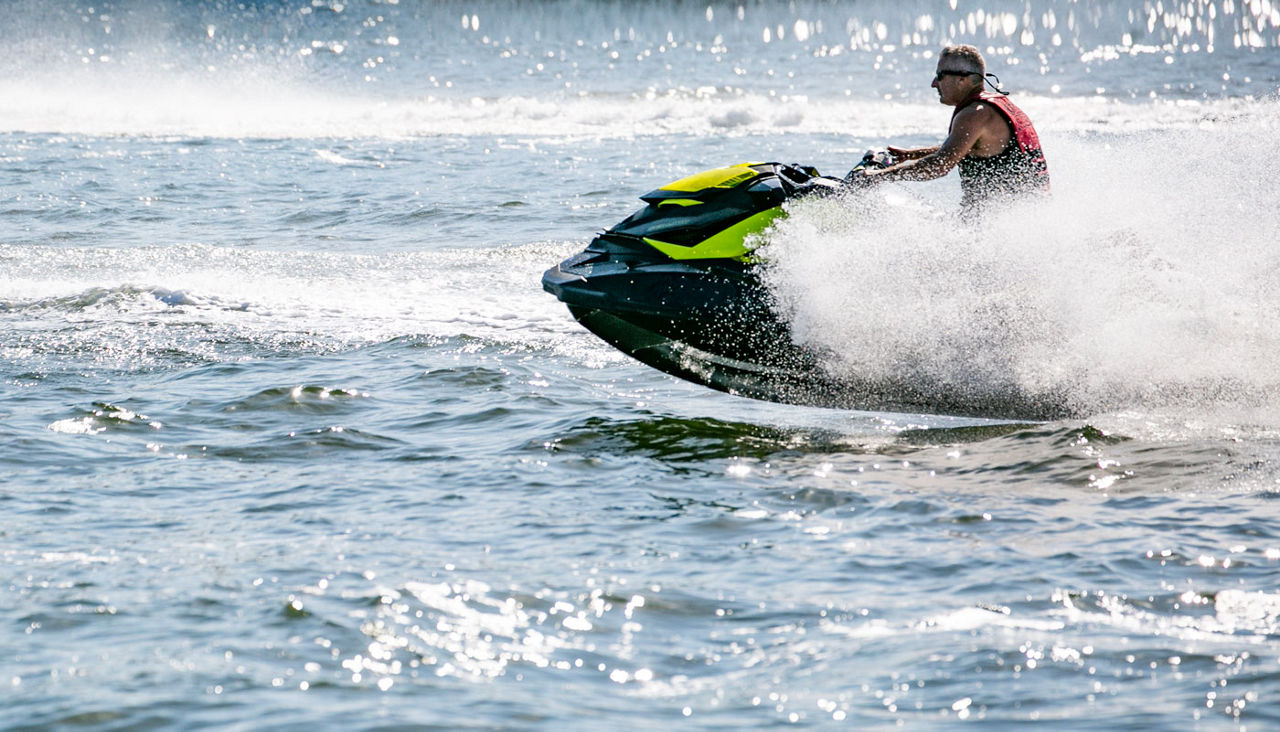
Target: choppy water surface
<point>290,436</point>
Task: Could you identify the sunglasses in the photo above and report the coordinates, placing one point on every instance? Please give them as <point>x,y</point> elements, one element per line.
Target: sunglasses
<point>947,72</point>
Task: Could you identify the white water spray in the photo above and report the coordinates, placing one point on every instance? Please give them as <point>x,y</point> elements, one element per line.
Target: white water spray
<point>1150,279</point>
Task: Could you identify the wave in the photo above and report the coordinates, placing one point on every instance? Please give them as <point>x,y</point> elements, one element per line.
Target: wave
<point>209,304</point>
<point>299,114</point>
<point>121,298</point>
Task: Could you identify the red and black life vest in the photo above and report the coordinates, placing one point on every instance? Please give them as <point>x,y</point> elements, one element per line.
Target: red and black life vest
<point>1019,168</point>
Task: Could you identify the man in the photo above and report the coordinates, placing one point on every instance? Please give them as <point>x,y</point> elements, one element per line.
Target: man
<point>991,140</point>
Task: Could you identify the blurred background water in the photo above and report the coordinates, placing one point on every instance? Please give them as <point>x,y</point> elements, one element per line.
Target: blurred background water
<point>290,435</point>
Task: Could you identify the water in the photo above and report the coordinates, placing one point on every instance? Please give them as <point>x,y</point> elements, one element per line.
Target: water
<point>290,435</point>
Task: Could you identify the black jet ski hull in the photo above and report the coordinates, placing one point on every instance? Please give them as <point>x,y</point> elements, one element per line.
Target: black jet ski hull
<point>797,384</point>
<point>714,325</point>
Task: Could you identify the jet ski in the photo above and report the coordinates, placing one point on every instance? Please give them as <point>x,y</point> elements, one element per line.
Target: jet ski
<point>676,285</point>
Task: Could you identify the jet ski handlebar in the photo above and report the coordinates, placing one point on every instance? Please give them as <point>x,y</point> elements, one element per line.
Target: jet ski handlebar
<point>871,160</point>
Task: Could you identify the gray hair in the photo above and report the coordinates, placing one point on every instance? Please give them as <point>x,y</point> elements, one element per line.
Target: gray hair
<point>967,53</point>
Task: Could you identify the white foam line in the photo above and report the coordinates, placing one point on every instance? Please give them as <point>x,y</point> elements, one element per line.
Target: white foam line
<point>206,111</point>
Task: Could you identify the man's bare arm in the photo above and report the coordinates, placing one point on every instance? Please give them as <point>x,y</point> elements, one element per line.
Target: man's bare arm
<point>965,132</point>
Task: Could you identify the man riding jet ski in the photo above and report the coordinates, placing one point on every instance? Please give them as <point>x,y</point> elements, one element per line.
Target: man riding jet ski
<point>675,286</point>
<point>990,139</point>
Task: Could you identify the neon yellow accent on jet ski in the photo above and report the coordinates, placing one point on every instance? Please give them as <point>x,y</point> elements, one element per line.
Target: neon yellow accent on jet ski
<point>679,202</point>
<point>727,244</point>
<point>717,178</point>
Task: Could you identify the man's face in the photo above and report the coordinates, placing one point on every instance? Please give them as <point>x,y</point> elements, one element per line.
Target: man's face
<point>955,80</point>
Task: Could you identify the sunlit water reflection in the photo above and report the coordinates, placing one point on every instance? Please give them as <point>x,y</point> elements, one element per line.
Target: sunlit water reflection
<point>291,436</point>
